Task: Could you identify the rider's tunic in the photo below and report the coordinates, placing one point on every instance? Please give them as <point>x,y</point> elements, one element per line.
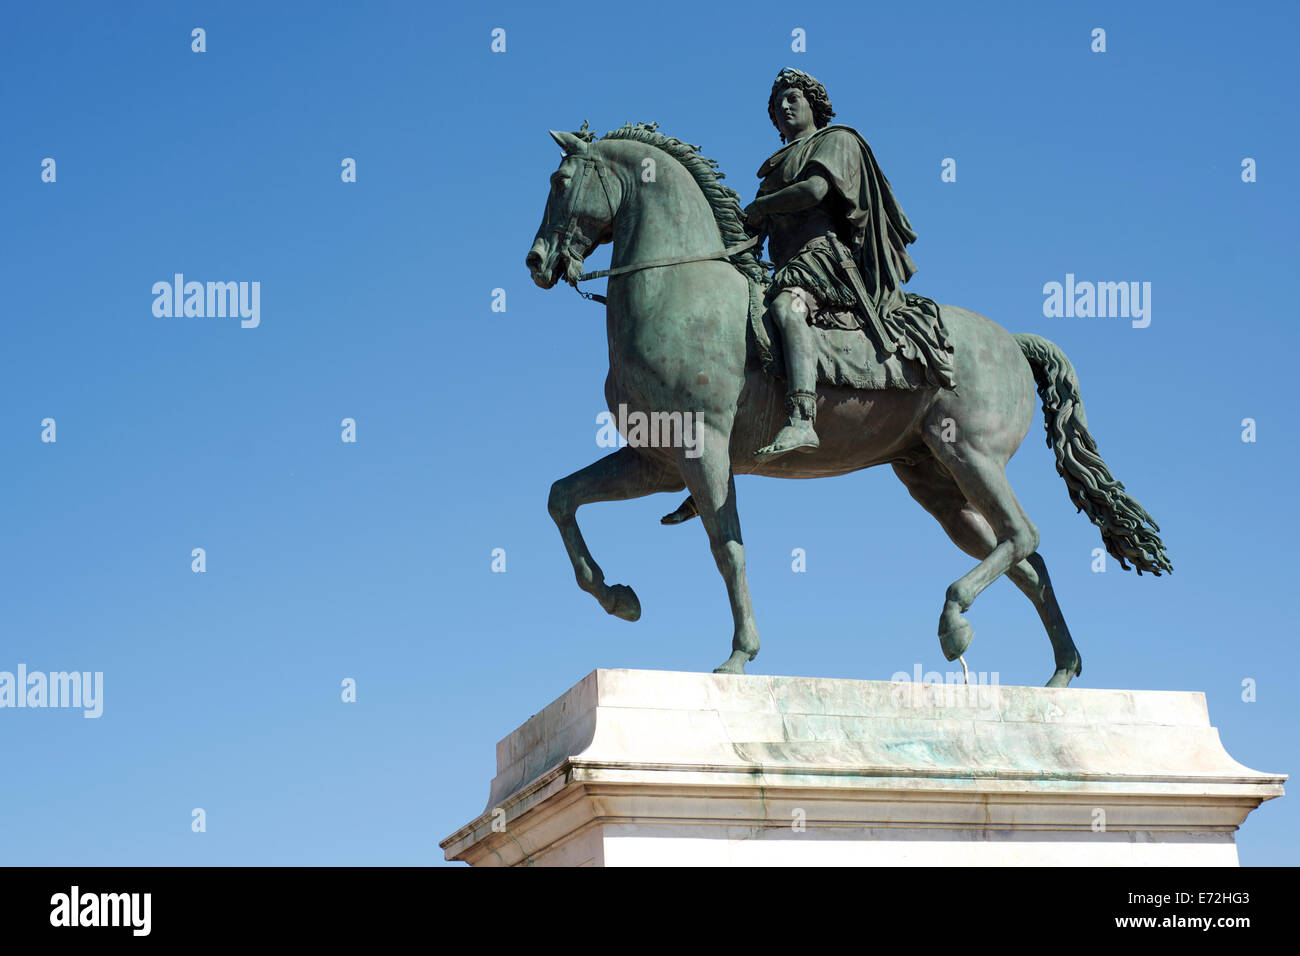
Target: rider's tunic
<point>860,227</point>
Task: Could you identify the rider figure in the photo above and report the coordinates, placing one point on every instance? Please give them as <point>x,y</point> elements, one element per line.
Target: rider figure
<point>836,237</point>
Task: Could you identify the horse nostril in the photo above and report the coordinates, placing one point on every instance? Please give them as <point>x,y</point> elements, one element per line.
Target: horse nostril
<point>534,261</point>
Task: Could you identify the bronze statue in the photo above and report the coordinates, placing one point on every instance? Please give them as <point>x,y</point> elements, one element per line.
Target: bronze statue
<point>689,336</point>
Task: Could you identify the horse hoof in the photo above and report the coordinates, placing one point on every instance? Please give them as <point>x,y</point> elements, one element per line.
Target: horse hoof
<point>1064,675</point>
<point>625,603</point>
<point>955,635</point>
<point>735,664</point>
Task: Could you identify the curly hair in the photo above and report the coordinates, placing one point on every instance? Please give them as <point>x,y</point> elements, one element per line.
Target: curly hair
<point>812,90</point>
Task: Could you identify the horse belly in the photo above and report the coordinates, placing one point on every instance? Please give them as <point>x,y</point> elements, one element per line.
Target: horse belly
<point>857,429</point>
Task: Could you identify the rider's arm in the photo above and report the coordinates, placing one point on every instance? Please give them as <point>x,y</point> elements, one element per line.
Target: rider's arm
<point>801,195</point>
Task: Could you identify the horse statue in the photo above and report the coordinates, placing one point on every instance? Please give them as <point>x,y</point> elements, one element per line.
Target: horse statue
<point>683,279</point>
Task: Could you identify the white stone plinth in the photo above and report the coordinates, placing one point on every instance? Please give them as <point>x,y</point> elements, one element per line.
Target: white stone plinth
<point>662,768</point>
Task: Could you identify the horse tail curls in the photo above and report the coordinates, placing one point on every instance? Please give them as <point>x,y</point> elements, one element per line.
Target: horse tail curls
<point>1128,532</point>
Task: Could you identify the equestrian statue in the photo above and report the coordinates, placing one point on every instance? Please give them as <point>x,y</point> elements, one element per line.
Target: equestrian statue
<point>820,367</point>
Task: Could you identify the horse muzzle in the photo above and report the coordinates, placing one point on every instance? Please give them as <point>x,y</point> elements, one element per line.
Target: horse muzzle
<point>541,263</point>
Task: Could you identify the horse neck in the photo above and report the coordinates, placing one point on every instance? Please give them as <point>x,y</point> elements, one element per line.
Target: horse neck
<point>665,218</point>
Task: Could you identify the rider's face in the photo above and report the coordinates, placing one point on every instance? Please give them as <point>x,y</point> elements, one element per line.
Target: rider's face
<point>793,113</point>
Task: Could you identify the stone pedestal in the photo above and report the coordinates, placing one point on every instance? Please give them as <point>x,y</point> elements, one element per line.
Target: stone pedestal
<point>659,768</point>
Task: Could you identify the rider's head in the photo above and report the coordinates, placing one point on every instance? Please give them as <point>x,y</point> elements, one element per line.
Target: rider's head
<point>813,92</point>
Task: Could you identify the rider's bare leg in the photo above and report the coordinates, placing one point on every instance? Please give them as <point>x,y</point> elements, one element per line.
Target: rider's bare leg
<point>790,313</point>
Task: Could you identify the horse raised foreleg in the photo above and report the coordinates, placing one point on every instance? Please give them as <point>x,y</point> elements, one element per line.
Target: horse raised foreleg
<point>618,476</point>
<point>713,489</point>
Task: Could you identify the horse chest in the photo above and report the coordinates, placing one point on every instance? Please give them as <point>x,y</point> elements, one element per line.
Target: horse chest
<point>644,362</point>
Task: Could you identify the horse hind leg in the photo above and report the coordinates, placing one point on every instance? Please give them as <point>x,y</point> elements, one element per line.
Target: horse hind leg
<point>1030,575</point>
<point>936,491</point>
<point>984,484</point>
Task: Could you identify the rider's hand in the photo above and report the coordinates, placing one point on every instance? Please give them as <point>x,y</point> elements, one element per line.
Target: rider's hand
<point>754,214</point>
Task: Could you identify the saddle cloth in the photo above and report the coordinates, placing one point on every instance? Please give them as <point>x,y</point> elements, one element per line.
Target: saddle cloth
<point>845,357</point>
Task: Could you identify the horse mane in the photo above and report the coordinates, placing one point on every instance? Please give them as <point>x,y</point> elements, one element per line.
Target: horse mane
<point>723,200</point>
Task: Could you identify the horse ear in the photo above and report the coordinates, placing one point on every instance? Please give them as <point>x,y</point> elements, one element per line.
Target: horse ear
<point>571,144</point>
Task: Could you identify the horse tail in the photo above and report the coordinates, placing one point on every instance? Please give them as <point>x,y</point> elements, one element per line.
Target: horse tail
<point>1128,532</point>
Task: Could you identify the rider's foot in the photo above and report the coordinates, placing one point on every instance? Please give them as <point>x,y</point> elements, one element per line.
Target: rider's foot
<point>797,434</point>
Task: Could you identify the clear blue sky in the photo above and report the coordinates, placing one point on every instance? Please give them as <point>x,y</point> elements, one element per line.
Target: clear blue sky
<point>372,560</point>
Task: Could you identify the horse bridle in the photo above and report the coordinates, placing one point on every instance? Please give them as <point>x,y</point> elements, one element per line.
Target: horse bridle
<point>571,231</point>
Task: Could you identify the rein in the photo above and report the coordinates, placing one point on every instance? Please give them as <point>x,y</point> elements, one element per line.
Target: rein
<point>656,263</point>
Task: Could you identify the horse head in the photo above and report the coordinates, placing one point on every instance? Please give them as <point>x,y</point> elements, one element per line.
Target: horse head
<point>579,214</point>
